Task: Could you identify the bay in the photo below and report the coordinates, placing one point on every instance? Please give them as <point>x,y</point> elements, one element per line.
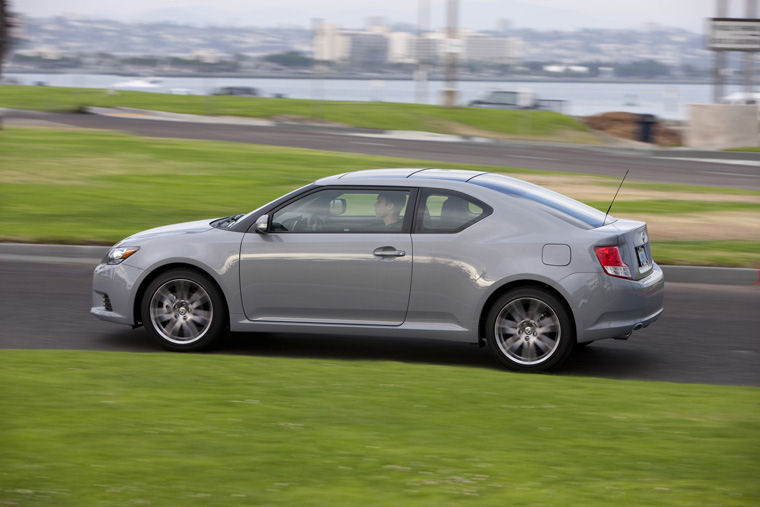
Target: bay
<point>664,100</point>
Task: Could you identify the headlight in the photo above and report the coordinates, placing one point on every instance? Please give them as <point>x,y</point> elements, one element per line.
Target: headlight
<point>117,255</point>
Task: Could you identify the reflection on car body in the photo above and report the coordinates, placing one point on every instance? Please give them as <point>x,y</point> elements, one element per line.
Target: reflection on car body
<point>468,256</point>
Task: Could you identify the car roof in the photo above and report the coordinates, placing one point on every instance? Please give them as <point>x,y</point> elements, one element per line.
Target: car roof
<point>397,175</point>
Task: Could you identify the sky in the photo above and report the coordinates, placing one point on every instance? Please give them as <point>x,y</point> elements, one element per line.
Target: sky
<point>474,14</point>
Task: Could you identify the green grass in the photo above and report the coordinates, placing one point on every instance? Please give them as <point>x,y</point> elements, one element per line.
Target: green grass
<point>376,115</point>
<point>82,428</point>
<point>673,206</point>
<point>708,253</point>
<point>76,186</point>
<point>749,148</point>
<point>97,186</point>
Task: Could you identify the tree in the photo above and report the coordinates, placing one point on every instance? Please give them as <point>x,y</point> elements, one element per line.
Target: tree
<point>289,59</point>
<point>642,69</point>
<point>5,37</point>
<point>6,23</point>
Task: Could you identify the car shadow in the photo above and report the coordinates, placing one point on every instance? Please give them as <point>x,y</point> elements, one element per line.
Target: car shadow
<point>613,360</point>
<point>356,348</point>
<point>606,360</point>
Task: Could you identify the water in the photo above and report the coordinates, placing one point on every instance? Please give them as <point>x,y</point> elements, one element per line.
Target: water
<point>663,100</point>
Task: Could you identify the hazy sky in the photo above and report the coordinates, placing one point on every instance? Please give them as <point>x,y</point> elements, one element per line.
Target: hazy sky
<point>476,14</point>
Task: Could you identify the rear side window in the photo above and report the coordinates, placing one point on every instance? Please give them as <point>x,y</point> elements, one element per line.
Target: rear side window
<point>442,212</point>
<point>558,204</point>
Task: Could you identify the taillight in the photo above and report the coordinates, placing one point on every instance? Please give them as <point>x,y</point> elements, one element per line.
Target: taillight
<point>609,257</point>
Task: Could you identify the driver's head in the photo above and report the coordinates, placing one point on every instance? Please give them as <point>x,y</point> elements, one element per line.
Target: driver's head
<point>389,205</point>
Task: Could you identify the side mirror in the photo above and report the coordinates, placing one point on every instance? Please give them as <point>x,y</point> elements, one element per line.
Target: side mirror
<point>337,206</point>
<point>261,224</point>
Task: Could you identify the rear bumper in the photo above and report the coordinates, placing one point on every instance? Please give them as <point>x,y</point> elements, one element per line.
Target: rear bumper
<point>607,307</point>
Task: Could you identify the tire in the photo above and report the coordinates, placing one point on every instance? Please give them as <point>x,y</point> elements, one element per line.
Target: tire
<point>183,310</point>
<point>529,329</point>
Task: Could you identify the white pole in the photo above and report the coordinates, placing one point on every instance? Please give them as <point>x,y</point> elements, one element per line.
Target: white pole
<point>720,57</point>
<point>749,57</point>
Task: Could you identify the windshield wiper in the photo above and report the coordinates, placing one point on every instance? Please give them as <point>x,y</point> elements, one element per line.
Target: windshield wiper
<point>223,223</point>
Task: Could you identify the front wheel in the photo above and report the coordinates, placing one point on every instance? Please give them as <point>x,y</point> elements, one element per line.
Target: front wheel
<point>529,329</point>
<point>183,310</point>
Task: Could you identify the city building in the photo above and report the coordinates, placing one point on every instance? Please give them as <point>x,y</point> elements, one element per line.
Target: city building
<point>331,44</point>
<point>498,50</point>
<point>401,47</point>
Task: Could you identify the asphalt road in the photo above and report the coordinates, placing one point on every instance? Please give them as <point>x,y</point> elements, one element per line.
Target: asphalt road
<point>662,166</point>
<point>709,333</point>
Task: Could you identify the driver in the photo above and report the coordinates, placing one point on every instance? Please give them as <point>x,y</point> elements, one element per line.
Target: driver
<point>388,209</point>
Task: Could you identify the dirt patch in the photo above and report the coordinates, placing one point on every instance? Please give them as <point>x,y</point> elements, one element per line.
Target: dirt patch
<point>628,126</point>
<point>590,188</point>
<point>722,225</point>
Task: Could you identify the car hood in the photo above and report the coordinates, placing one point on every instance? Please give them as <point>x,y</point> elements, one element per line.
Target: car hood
<point>169,230</point>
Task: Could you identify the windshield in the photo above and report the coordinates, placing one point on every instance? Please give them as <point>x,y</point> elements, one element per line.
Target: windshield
<point>558,203</point>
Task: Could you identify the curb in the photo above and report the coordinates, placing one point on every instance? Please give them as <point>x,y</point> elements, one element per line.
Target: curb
<point>84,254</point>
<point>30,252</point>
<point>711,275</point>
<point>147,114</point>
<point>609,144</point>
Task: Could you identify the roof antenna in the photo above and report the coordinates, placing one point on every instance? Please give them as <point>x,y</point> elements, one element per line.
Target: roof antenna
<point>613,199</point>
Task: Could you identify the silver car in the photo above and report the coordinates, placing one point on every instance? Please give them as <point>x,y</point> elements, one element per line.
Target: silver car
<point>417,253</point>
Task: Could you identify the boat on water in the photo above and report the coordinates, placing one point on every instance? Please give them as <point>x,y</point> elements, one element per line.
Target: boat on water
<point>523,99</point>
<point>139,84</point>
<point>150,84</point>
<point>238,91</point>
<point>742,98</point>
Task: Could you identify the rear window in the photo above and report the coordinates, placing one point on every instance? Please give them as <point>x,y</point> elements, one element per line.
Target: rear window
<point>558,203</point>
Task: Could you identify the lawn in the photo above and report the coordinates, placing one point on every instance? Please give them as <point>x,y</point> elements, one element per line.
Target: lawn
<point>375,115</point>
<point>80,186</point>
<point>708,253</point>
<point>107,428</point>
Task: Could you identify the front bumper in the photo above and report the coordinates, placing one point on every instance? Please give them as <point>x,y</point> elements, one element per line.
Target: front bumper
<point>113,288</point>
<point>607,307</point>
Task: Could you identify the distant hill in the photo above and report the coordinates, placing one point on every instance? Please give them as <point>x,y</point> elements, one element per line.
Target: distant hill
<point>70,36</point>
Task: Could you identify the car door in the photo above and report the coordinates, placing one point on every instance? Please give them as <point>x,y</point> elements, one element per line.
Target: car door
<point>327,258</point>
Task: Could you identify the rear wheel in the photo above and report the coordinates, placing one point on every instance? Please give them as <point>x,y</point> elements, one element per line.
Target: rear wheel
<point>529,329</point>
<point>183,310</point>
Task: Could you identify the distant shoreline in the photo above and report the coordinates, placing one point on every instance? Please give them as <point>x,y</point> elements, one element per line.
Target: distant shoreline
<point>371,77</point>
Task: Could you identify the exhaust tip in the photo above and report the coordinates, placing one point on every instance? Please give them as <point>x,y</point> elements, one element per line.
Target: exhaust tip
<point>638,326</point>
<point>624,336</point>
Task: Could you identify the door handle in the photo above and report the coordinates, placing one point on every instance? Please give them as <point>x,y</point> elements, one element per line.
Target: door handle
<point>388,251</point>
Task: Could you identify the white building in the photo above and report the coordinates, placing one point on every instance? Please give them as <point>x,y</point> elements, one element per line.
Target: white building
<point>331,44</point>
<point>498,50</point>
<point>376,46</point>
<point>562,68</point>
<point>401,47</point>
<point>367,49</point>
<point>208,56</point>
<point>429,48</point>
<point>515,50</point>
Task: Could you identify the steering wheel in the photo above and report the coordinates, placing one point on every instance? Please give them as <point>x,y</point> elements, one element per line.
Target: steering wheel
<point>315,223</point>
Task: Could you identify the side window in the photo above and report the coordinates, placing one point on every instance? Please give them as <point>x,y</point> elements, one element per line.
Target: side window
<point>443,212</point>
<point>344,211</point>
